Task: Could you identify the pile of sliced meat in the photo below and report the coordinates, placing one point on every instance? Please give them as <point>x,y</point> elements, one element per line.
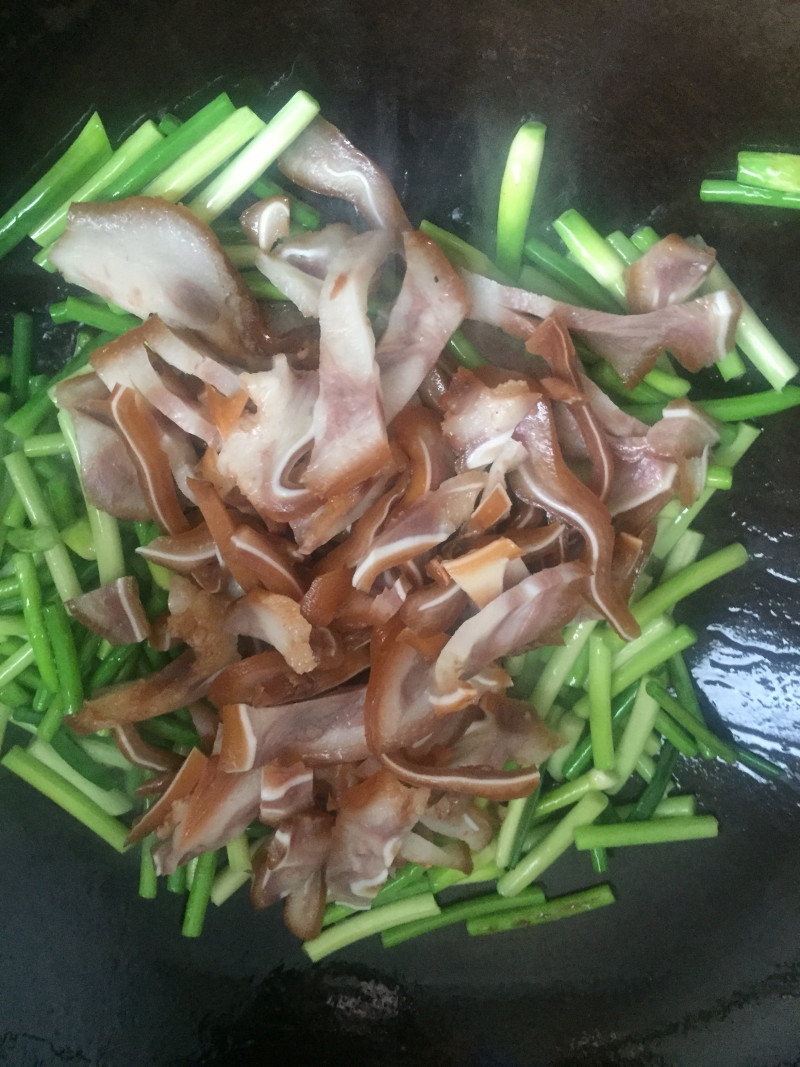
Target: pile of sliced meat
<point>359,531</point>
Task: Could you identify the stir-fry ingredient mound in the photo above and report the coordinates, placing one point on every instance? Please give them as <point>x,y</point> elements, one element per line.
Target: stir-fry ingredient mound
<point>359,532</point>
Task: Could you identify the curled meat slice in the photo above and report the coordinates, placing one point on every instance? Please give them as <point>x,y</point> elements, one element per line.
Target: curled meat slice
<point>285,790</point>
<point>415,848</point>
<point>458,816</point>
<point>668,273</point>
<point>372,819</point>
<point>108,474</point>
<point>348,427</point>
<point>114,611</point>
<point>508,730</point>
<point>697,333</point>
<point>429,308</point>
<point>323,729</point>
<point>265,680</point>
<point>515,620</point>
<point>323,160</point>
<point>137,423</point>
<point>219,807</point>
<point>156,258</point>
<point>276,619</point>
<point>260,454</point>
<point>163,814</point>
<point>429,521</point>
<point>290,865</point>
<point>684,434</point>
<point>126,361</point>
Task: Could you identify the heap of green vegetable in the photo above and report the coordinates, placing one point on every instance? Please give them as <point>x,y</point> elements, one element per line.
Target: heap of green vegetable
<point>627,712</point>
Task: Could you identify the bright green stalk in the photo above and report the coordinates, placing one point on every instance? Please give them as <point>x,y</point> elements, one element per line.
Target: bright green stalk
<point>636,732</point>
<point>674,520</point>
<point>70,684</point>
<point>45,444</point>
<point>176,882</point>
<point>21,345</point>
<point>555,672</point>
<point>56,787</point>
<point>251,163</point>
<point>64,754</point>
<point>114,168</point>
<point>771,170</point>
<point>600,703</point>
<point>555,844</point>
<point>719,477</point>
<point>516,194</point>
<point>13,626</point>
<point>199,894</point>
<point>731,366</point>
<point>675,735</point>
<point>671,385</point>
<point>682,637</point>
<point>74,309</point>
<point>460,253</point>
<point>652,832</point>
<point>31,595</point>
<point>238,852</point>
<point>105,529</point>
<point>533,915</point>
<point>261,287</point>
<point>203,158</point>
<point>754,760</point>
<point>667,594</point>
<point>624,247</point>
<point>464,910</point>
<point>57,558</point>
<point>583,287</point>
<point>15,664</point>
<point>752,406</point>
<point>370,922</point>
<point>564,796</point>
<point>592,252</point>
<point>729,454</point>
<point>685,552</point>
<point>87,152</point>
<point>690,723</point>
<point>718,190</point>
<point>667,808</point>
<point>538,281</point>
<point>148,879</point>
<point>515,827</point>
<point>651,632</point>
<point>173,146</point>
<point>242,256</point>
<point>570,727</point>
<point>225,884</point>
<point>465,352</point>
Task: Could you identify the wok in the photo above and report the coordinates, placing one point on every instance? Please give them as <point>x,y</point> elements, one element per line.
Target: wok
<point>699,961</point>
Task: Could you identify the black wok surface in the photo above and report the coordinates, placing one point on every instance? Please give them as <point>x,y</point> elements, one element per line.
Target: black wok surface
<point>699,962</point>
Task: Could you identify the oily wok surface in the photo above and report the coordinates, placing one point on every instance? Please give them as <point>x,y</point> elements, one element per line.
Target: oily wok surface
<point>698,962</point>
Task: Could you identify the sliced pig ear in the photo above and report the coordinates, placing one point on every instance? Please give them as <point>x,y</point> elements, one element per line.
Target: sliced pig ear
<point>371,821</point>
<point>156,258</point>
<point>323,729</point>
<point>324,161</point>
<point>219,807</point>
<point>668,273</point>
<point>698,333</point>
<point>114,611</point>
<point>429,308</point>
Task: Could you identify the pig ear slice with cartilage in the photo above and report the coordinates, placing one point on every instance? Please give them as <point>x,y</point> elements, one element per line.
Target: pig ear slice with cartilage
<point>155,258</point>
